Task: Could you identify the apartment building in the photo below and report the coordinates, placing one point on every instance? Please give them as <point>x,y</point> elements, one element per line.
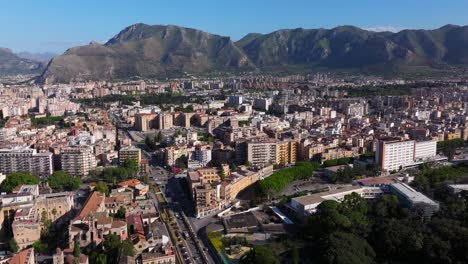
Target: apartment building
<point>78,161</point>
<point>7,134</point>
<point>144,121</point>
<point>200,157</point>
<point>425,150</point>
<point>173,153</point>
<point>265,151</point>
<point>205,188</point>
<point>394,153</point>
<point>260,152</point>
<point>165,121</point>
<point>129,152</point>
<point>25,159</point>
<point>286,152</point>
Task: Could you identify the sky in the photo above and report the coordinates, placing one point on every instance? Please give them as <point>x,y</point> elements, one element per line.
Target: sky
<point>55,25</point>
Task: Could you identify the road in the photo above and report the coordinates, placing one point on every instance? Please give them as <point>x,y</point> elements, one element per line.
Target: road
<point>189,248</point>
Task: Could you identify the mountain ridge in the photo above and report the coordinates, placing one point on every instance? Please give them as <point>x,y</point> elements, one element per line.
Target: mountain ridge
<point>142,50</point>
<point>12,64</point>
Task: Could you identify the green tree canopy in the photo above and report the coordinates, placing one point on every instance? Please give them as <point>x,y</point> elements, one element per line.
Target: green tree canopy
<point>346,248</point>
<point>61,181</point>
<point>132,166</point>
<point>18,178</point>
<point>102,188</point>
<point>121,212</point>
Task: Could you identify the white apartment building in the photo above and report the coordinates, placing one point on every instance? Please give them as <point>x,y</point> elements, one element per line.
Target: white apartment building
<point>394,154</point>
<point>25,159</point>
<point>7,134</point>
<point>425,150</point>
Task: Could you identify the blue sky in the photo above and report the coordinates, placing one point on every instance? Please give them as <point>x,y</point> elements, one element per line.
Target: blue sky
<point>55,25</point>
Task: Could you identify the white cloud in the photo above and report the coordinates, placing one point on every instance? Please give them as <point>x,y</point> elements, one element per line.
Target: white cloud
<point>384,28</point>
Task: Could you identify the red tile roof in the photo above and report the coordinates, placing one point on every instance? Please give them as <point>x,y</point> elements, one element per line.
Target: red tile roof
<point>91,205</point>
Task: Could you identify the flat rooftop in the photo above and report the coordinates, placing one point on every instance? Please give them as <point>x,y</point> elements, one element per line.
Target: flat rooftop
<point>247,219</point>
<point>318,197</point>
<point>411,194</point>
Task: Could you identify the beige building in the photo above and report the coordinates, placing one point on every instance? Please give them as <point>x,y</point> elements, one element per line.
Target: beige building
<point>165,121</point>
<point>261,151</point>
<point>171,154</point>
<point>26,227</point>
<point>243,178</point>
<point>56,205</point>
<point>271,151</point>
<point>205,188</point>
<point>166,257</point>
<point>144,121</point>
<point>78,161</point>
<point>129,152</point>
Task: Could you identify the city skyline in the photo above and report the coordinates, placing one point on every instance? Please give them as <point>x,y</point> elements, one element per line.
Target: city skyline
<point>55,26</point>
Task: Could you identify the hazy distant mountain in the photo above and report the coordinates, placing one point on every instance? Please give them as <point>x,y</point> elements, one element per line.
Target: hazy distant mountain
<point>156,51</point>
<point>44,57</point>
<point>143,50</point>
<point>10,64</point>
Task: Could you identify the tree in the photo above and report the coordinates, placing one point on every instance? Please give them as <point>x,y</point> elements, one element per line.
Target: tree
<point>397,239</point>
<point>61,181</point>
<point>132,165</point>
<point>221,173</point>
<point>111,246</point>
<point>76,251</point>
<point>121,212</point>
<point>181,162</point>
<point>13,245</point>
<point>150,143</point>
<point>145,179</point>
<point>114,247</point>
<point>54,212</point>
<point>99,258</point>
<point>295,256</point>
<point>102,188</point>
<point>126,248</point>
<point>18,178</point>
<point>39,247</point>
<point>346,248</point>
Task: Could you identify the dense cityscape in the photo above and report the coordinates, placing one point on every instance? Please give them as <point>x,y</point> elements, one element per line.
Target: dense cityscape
<point>206,170</point>
<point>164,144</point>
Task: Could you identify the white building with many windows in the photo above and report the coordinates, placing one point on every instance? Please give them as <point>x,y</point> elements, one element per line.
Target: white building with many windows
<point>394,153</point>
<point>25,159</point>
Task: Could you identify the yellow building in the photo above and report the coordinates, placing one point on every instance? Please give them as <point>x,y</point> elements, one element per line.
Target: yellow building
<point>286,152</point>
<point>129,152</point>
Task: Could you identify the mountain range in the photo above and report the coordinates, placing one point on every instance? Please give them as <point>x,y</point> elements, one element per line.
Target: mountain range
<point>43,57</point>
<point>11,64</point>
<point>143,50</point>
